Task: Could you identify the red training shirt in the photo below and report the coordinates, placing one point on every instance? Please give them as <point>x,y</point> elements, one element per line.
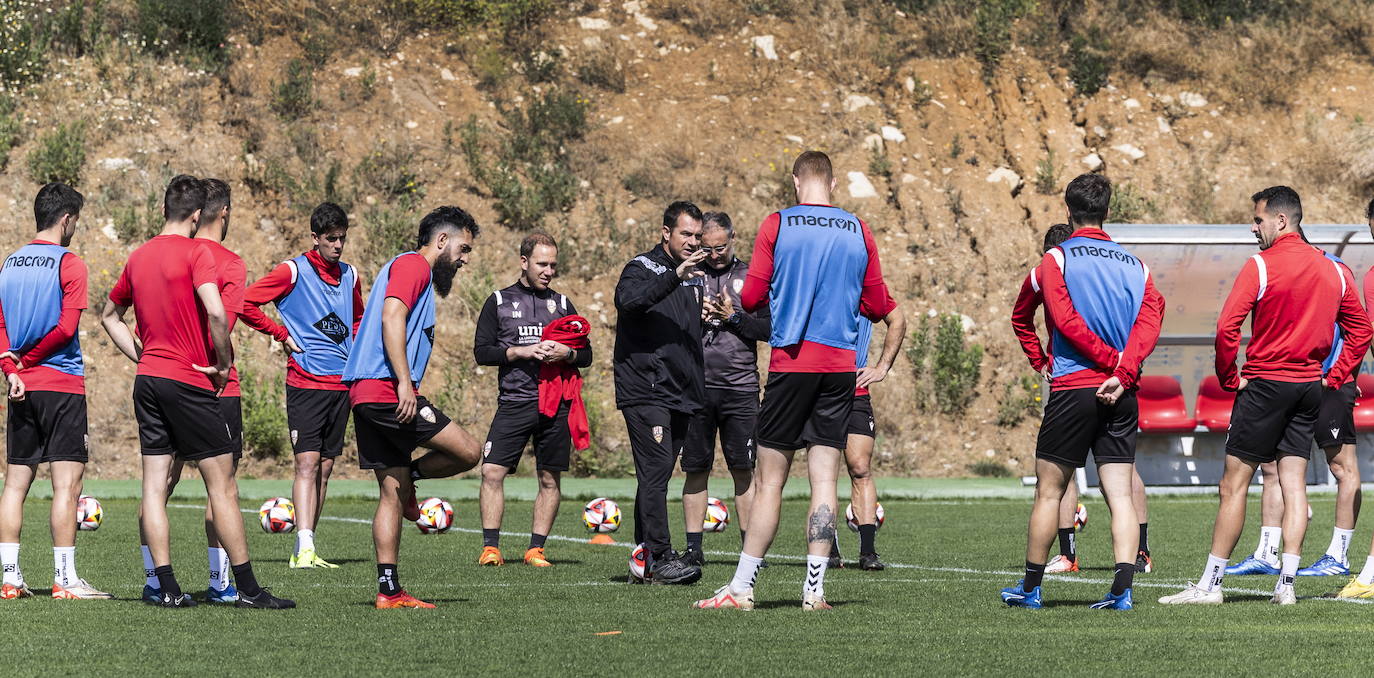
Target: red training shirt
<point>408,279</point>
<point>233,276</point>
<point>73,277</point>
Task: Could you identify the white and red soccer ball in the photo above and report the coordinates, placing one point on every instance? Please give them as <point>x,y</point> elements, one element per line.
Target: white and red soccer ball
<point>436,516</point>
<point>601,515</point>
<point>89,513</point>
<point>852,521</point>
<point>639,561</point>
<point>717,516</point>
<point>1080,517</point>
<point>277,515</point>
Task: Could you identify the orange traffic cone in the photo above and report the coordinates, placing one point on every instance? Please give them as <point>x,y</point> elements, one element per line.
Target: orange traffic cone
<point>602,538</point>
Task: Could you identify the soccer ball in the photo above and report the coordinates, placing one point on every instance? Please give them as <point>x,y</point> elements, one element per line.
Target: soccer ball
<point>277,515</point>
<point>639,562</point>
<point>1080,518</point>
<point>601,515</point>
<point>717,516</point>
<point>436,516</point>
<point>88,513</point>
<point>852,521</point>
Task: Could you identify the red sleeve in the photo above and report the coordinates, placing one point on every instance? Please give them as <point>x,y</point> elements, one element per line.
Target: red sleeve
<point>757,282</point>
<point>1233,313</point>
<point>73,277</point>
<point>408,279</point>
<point>1059,308</point>
<point>6,365</point>
<point>357,303</point>
<point>1355,329</point>
<point>123,292</point>
<point>272,287</point>
<point>203,268</point>
<point>1144,334</point>
<point>1023,323</point>
<point>232,291</point>
<point>875,302</point>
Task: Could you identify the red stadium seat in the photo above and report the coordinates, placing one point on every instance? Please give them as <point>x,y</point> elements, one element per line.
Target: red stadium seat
<point>1364,407</point>
<point>1214,405</point>
<point>1162,408</point>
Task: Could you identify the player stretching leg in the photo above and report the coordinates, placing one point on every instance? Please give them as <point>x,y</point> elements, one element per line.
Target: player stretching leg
<point>319,299</point>
<point>510,335</point>
<point>384,371</point>
<point>42,294</point>
<point>1362,585</point>
<point>816,268</point>
<point>1294,296</point>
<point>1105,317</point>
<point>729,347</point>
<point>184,354</point>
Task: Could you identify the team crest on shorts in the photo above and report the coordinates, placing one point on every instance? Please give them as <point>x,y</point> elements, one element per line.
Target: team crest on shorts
<point>86,441</point>
<point>294,435</point>
<point>427,414</point>
<point>658,434</point>
<point>486,450</point>
<point>870,424</point>
<point>738,285</point>
<point>550,305</point>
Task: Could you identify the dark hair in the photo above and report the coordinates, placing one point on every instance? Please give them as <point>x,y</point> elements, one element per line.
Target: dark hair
<point>444,218</point>
<point>534,239</point>
<point>1280,199</point>
<point>720,219</point>
<point>327,217</point>
<point>1056,234</point>
<point>216,198</point>
<point>1087,197</point>
<point>1369,210</point>
<point>813,164</point>
<point>678,209</point>
<point>53,201</point>
<point>185,194</point>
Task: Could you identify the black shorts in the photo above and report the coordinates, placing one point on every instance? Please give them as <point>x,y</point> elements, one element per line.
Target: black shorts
<point>232,409</point>
<point>1336,421</point>
<point>861,422</point>
<point>317,419</point>
<point>732,414</point>
<point>180,419</point>
<point>47,426</point>
<point>513,426</point>
<point>806,408</point>
<point>384,442</point>
<point>1076,423</point>
<point>1273,419</point>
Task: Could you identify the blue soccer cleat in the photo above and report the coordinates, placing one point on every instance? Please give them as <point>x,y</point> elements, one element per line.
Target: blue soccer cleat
<point>228,596</point>
<point>1111,602</point>
<point>1252,565</point>
<point>1324,567</point>
<point>151,595</point>
<point>1015,596</point>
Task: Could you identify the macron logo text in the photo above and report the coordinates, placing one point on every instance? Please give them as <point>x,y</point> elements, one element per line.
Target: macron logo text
<point>1087,250</point>
<point>828,222</point>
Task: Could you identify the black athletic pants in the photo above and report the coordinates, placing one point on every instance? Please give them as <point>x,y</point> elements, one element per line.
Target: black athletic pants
<point>657,435</point>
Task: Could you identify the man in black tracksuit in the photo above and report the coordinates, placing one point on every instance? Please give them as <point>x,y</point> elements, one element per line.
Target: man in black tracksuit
<point>658,376</point>
<point>732,385</point>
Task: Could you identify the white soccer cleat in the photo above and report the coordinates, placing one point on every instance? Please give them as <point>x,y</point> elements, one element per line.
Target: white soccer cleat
<point>724,598</point>
<point>1193,595</point>
<point>81,590</point>
<point>1061,564</point>
<point>812,602</point>
<point>1284,595</point>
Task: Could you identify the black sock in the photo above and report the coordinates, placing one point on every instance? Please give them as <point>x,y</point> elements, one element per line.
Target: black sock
<point>694,541</point>
<point>1145,538</point>
<point>491,537</point>
<point>167,581</point>
<point>537,540</point>
<point>388,584</point>
<point>244,579</point>
<point>1067,547</point>
<point>867,535</point>
<point>415,473</point>
<point>1034,575</point>
<point>1125,572</point>
<point>835,546</point>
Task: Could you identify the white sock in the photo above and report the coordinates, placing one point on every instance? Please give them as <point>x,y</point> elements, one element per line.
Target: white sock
<point>219,568</point>
<point>305,541</point>
<point>149,576</point>
<point>815,575</point>
<point>745,573</point>
<point>1340,545</point>
<point>1212,574</point>
<point>1268,549</point>
<point>64,565</point>
<point>9,557</point>
<point>1289,571</point>
<point>1367,574</point>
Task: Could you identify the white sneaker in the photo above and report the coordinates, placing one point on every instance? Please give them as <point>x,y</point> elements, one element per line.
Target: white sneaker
<point>812,602</point>
<point>725,598</point>
<point>1193,595</point>
<point>1060,564</point>
<point>1284,595</point>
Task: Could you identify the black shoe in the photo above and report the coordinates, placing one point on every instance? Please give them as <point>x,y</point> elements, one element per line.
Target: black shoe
<point>694,557</point>
<point>1143,563</point>
<point>870,561</point>
<point>167,600</point>
<point>673,569</point>
<point>264,601</point>
<point>836,563</point>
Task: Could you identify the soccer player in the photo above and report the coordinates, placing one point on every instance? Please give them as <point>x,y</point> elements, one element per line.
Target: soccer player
<point>383,373</point>
<point>42,294</point>
<point>659,383</point>
<point>1294,295</point>
<point>184,354</point>
<point>816,268</point>
<point>731,408</point>
<point>1028,300</point>
<point>510,331</point>
<point>320,301</point>
<point>1104,313</point>
<point>861,434</point>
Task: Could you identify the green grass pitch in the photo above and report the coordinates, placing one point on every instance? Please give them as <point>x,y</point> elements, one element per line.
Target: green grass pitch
<point>935,611</point>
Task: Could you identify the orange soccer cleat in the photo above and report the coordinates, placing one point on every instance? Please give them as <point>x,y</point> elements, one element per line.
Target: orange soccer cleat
<point>491,556</point>
<point>535,557</point>
<point>401,599</point>
<point>10,592</point>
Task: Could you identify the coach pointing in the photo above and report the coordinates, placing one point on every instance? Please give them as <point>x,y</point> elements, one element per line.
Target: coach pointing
<point>658,375</point>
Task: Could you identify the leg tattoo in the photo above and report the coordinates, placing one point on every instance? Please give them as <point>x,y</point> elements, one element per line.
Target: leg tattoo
<point>820,527</point>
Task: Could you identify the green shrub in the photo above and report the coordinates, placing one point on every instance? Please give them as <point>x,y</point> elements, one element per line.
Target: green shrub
<point>264,414</point>
<point>198,29</point>
<point>947,370</point>
<point>387,170</point>
<point>59,155</point>
<point>1129,205</point>
<point>1218,13</point>
<point>987,468</point>
<point>509,15</point>
<point>541,66</point>
<point>1019,400</point>
<point>23,42</point>
<point>1087,63</point>
<point>294,97</point>
<point>878,163</point>
<point>1047,175</point>
<point>390,230</point>
<point>601,68</point>
<point>79,27</point>
<point>11,127</point>
<point>134,222</point>
<point>992,23</point>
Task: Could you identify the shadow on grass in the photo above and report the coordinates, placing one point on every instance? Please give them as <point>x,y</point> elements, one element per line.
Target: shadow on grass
<point>796,604</point>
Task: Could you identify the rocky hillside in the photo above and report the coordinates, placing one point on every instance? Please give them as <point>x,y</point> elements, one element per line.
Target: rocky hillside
<point>955,127</point>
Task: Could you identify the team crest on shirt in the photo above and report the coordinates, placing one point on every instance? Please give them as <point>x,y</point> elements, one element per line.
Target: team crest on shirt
<point>486,450</point>
<point>658,434</point>
<point>427,414</point>
<point>549,304</point>
<point>738,285</point>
